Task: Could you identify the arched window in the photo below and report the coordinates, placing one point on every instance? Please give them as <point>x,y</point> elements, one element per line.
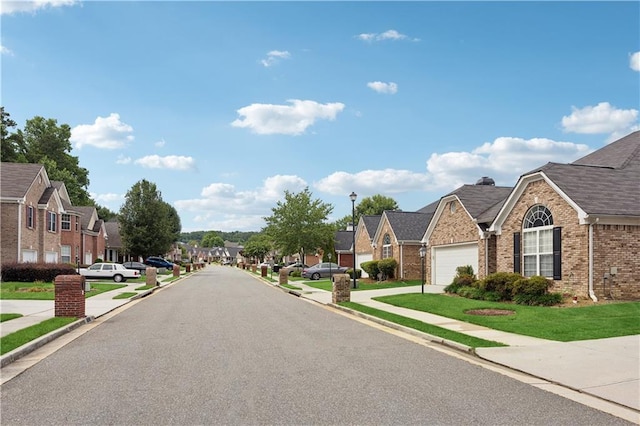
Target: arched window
<point>387,250</point>
<point>537,239</point>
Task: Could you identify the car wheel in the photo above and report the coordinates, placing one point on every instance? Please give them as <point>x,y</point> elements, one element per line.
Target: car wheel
<point>118,278</point>
<point>315,276</point>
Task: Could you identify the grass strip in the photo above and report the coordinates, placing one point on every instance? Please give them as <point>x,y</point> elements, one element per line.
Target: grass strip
<point>563,324</point>
<point>434,330</point>
<point>7,317</point>
<point>126,295</point>
<point>290,287</point>
<point>21,337</point>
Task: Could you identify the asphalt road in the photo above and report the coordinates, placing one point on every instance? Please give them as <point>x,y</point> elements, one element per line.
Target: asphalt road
<point>220,347</point>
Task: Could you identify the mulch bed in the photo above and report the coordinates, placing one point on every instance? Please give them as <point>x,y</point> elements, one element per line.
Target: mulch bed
<point>490,312</point>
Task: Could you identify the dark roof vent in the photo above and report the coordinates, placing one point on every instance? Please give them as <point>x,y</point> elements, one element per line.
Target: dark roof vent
<point>484,180</point>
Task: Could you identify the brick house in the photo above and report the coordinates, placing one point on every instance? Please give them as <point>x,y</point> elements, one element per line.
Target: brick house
<point>343,244</point>
<point>399,235</point>
<point>367,226</point>
<point>93,235</point>
<point>577,224</point>
<point>113,243</point>
<point>458,233</point>
<point>70,228</point>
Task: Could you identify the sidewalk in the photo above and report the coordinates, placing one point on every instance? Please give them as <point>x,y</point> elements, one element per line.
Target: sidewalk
<point>605,368</point>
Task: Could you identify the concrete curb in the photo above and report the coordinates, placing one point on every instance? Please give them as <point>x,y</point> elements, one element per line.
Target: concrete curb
<point>27,348</point>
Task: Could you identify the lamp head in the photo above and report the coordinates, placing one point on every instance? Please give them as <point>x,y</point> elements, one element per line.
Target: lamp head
<point>353,196</point>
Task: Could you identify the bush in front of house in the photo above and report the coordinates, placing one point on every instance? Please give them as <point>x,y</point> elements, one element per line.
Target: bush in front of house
<point>358,273</point>
<point>464,278</point>
<point>371,268</point>
<point>31,272</point>
<point>388,267</point>
<point>501,283</point>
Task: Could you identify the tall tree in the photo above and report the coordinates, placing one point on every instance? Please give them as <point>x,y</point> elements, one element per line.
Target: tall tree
<point>212,239</point>
<point>300,224</point>
<point>368,206</point>
<point>11,147</point>
<point>258,246</point>
<point>148,224</point>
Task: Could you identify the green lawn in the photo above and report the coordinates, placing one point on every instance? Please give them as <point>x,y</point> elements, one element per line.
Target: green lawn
<point>21,337</point>
<point>291,287</point>
<point>127,295</point>
<point>7,317</point>
<point>564,324</point>
<point>434,330</point>
<point>326,284</point>
<point>46,291</point>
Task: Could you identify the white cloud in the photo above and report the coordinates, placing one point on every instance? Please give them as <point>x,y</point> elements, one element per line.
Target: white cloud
<point>294,119</point>
<point>387,35</point>
<point>106,133</point>
<point>107,199</point>
<point>602,118</point>
<point>381,87</point>
<point>10,7</point>
<point>634,61</point>
<point>504,159</point>
<point>223,206</point>
<point>171,162</point>
<point>274,57</point>
<point>160,143</point>
<point>387,181</point>
<point>5,51</point>
<point>123,160</point>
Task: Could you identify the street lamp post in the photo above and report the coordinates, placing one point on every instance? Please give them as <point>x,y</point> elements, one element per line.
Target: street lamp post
<point>330,278</point>
<point>423,253</point>
<point>353,197</point>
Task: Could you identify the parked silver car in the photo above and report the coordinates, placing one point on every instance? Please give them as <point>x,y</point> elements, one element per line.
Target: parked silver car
<point>294,267</point>
<point>323,270</point>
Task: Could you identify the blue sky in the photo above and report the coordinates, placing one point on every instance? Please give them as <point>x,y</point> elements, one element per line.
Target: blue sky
<point>225,105</point>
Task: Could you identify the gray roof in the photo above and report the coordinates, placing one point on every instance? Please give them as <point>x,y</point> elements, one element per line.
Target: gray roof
<point>429,208</point>
<point>113,234</point>
<point>482,201</point>
<point>343,240</point>
<point>604,182</point>
<point>17,178</point>
<point>371,223</point>
<point>408,226</point>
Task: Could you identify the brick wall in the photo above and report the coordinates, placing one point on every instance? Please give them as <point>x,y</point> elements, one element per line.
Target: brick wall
<point>363,242</point>
<point>69,296</point>
<point>617,246</point>
<point>9,232</point>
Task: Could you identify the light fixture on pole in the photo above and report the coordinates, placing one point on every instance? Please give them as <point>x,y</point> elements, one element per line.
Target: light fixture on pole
<point>353,197</point>
<point>330,278</point>
<point>423,254</point>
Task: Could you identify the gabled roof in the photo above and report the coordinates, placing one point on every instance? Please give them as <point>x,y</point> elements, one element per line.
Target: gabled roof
<point>17,178</point>
<point>112,229</point>
<point>343,241</point>
<point>87,214</point>
<point>371,223</point>
<point>406,226</point>
<point>429,208</point>
<point>604,185</point>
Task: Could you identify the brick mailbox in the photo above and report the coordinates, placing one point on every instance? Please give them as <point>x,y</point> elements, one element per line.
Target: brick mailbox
<point>283,277</point>
<point>69,296</point>
<point>341,288</point>
<point>176,270</point>
<point>151,277</point>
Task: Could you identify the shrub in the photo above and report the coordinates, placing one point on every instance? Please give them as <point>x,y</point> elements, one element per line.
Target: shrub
<point>500,282</point>
<point>98,260</point>
<point>358,273</point>
<point>388,267</point>
<point>458,282</point>
<point>296,274</point>
<point>371,268</point>
<point>31,272</point>
<point>465,270</point>
<point>548,299</point>
<point>534,286</point>
<point>471,292</point>
<point>492,296</point>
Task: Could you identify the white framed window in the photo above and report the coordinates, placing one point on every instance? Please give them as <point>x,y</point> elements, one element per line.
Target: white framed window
<point>65,254</point>
<point>52,221</point>
<point>31,217</point>
<point>537,239</point>
<point>51,257</point>
<point>65,222</point>
<point>387,249</point>
<point>29,256</point>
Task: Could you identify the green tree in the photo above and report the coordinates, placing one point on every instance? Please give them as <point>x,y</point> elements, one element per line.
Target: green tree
<point>11,146</point>
<point>212,239</point>
<point>105,214</point>
<point>300,224</point>
<point>368,206</point>
<point>258,246</point>
<point>148,225</point>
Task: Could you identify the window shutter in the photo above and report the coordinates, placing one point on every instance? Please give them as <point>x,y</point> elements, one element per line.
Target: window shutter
<point>557,253</point>
<point>516,252</point>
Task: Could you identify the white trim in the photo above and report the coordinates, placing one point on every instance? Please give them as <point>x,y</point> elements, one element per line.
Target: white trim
<point>439,210</point>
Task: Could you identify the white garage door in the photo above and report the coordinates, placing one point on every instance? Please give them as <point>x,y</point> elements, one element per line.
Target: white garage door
<point>360,259</point>
<point>445,260</point>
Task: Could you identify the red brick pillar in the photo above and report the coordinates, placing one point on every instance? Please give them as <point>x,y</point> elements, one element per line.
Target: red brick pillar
<point>176,270</point>
<point>283,277</point>
<point>70,301</point>
<point>152,277</point>
<point>187,267</point>
<point>263,271</point>
<point>341,288</point>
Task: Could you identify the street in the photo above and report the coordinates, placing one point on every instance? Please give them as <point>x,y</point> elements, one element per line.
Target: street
<point>220,347</point>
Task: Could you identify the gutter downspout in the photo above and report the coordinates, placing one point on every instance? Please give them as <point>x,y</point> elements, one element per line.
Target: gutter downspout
<point>486,255</point>
<point>401,262</point>
<point>21,204</point>
<point>592,295</point>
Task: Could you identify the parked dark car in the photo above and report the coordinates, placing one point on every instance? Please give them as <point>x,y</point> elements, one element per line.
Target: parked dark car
<point>323,270</point>
<point>158,262</point>
<point>139,266</point>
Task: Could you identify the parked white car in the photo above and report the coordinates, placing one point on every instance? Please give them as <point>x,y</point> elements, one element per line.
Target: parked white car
<point>114,271</point>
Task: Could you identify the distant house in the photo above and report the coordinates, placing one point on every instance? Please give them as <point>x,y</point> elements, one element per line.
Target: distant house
<point>343,246</point>
<point>458,233</point>
<point>399,236</point>
<point>366,228</point>
<point>93,235</point>
<point>577,224</point>
<point>30,211</point>
<point>113,246</point>
<point>70,228</point>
